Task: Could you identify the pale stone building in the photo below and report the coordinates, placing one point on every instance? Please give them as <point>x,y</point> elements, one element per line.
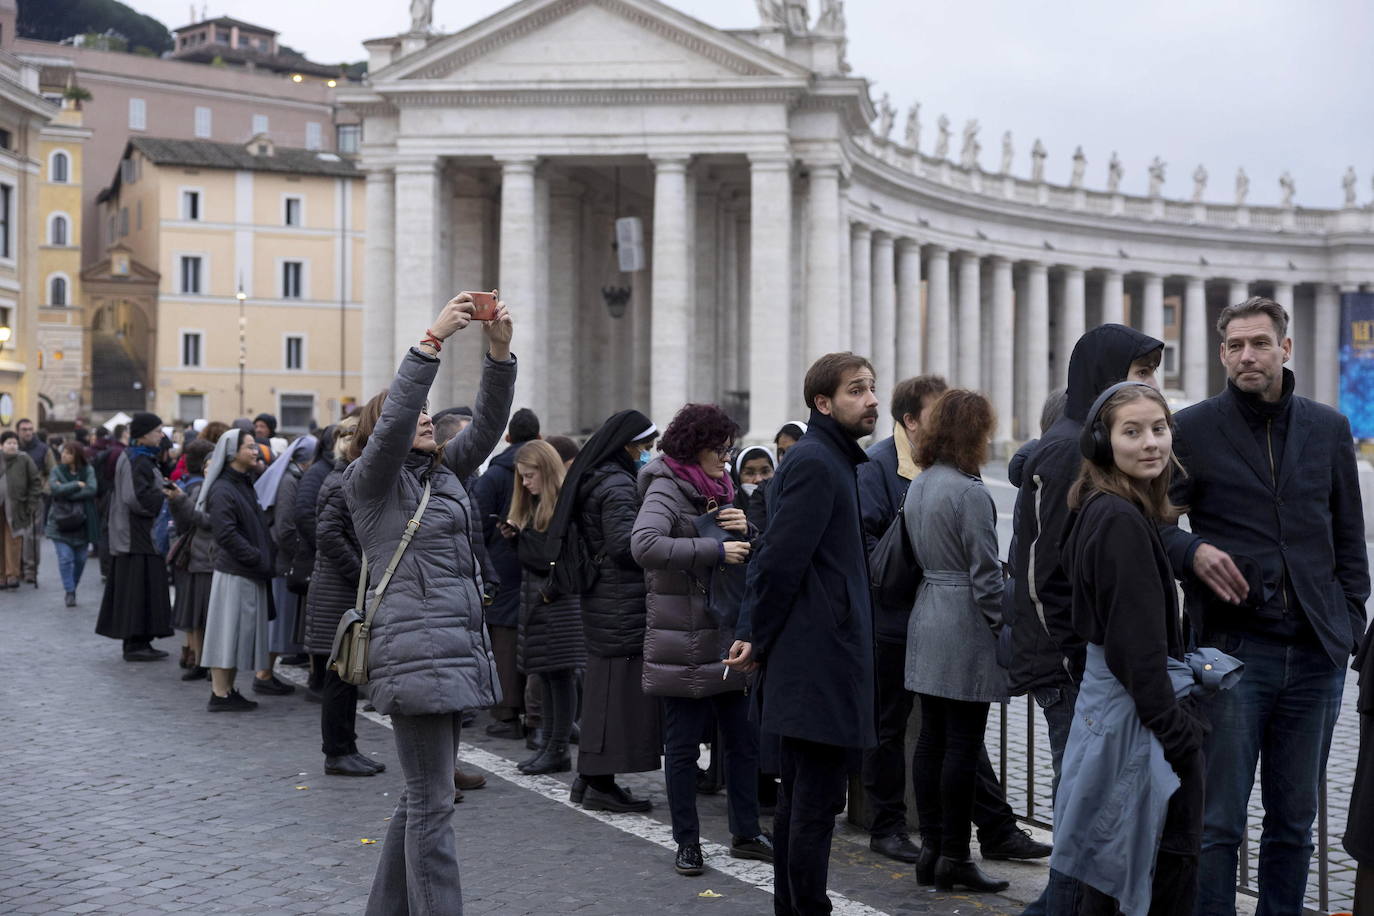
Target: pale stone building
<point>255,254</point>
<point>779,222</point>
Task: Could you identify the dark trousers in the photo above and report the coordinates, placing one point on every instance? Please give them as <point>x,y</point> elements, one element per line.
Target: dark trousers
<point>503,641</point>
<point>1364,891</point>
<point>560,703</point>
<point>811,795</point>
<point>338,716</point>
<point>684,721</point>
<point>885,767</point>
<point>1172,891</point>
<point>946,758</point>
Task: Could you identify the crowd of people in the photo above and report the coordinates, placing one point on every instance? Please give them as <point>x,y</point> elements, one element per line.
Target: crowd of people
<point>648,592</point>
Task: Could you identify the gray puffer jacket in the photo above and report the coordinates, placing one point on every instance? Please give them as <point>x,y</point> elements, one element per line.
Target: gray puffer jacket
<point>684,642</point>
<point>429,652</point>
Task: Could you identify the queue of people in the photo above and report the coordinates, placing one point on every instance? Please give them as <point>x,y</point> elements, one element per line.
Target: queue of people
<point>648,593</point>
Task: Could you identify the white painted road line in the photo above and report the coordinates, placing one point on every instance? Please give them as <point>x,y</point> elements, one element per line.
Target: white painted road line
<point>755,874</point>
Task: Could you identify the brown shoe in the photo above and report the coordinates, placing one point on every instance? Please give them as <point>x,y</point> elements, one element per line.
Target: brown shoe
<point>464,781</point>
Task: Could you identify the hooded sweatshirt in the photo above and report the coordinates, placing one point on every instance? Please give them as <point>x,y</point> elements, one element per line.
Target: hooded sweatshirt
<point>1045,649</point>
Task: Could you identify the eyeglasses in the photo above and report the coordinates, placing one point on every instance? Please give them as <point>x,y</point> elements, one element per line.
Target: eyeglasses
<point>723,452</point>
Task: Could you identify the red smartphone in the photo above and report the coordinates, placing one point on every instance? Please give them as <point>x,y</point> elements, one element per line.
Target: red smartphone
<point>483,306</point>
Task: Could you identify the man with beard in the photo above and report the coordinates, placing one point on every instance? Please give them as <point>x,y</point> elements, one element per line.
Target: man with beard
<point>808,609</point>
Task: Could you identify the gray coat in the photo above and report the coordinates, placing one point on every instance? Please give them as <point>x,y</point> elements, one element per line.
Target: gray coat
<point>951,648</point>
<point>429,652</point>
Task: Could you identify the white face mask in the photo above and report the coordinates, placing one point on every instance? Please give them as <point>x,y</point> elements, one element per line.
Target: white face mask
<point>749,488</point>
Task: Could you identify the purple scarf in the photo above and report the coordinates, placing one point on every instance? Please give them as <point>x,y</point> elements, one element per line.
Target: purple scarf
<point>721,491</point>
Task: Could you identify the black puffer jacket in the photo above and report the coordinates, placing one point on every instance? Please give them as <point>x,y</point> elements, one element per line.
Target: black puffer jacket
<point>308,508</point>
<point>549,637</point>
<point>240,526</point>
<point>338,560</point>
<point>613,610</point>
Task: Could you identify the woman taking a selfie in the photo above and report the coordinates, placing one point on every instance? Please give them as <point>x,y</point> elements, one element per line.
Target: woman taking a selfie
<point>428,656</point>
<point>1125,606</point>
<point>549,641</point>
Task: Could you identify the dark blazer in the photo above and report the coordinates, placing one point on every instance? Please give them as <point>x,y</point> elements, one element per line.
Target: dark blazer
<point>807,600</point>
<point>1311,524</point>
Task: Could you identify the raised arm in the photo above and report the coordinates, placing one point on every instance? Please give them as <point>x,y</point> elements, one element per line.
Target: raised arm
<point>466,451</point>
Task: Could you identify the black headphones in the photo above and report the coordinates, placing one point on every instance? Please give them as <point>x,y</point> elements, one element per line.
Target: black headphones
<point>1095,442</point>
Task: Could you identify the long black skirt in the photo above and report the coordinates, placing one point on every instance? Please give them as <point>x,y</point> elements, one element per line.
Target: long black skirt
<point>622,729</point>
<point>193,599</point>
<point>137,603</point>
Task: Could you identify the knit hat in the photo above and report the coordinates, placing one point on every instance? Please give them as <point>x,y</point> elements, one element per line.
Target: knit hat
<point>270,420</point>
<point>142,424</point>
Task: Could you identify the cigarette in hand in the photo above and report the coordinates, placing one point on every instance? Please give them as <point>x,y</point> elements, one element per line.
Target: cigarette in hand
<point>724,675</point>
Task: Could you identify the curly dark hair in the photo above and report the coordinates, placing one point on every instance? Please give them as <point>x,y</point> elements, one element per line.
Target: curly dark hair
<point>697,427</point>
<point>956,430</point>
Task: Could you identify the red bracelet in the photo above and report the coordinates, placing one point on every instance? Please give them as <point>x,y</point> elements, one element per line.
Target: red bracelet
<point>433,341</point>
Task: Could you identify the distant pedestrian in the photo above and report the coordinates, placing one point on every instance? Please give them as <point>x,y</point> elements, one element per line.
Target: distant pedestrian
<point>565,447</point>
<point>136,607</point>
<point>73,522</point>
<point>22,493</point>
<point>276,490</point>
<point>808,609</point>
<point>789,435</point>
<point>33,443</point>
<point>192,563</point>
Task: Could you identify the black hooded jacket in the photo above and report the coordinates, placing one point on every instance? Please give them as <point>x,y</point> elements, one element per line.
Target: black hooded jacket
<point>1045,649</point>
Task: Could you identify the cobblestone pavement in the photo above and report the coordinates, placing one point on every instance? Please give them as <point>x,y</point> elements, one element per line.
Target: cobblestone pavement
<point>121,794</point>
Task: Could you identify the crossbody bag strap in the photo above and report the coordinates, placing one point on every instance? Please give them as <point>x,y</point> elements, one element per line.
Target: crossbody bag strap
<point>411,527</point>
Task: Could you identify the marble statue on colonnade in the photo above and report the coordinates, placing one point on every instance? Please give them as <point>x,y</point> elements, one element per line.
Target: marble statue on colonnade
<point>887,116</point>
<point>968,155</point>
<point>1114,173</point>
<point>1038,156</point>
<point>1199,183</point>
<point>796,16</point>
<point>942,138</point>
<point>1288,187</point>
<point>421,16</point>
<point>831,19</point>
<point>1242,187</point>
<point>1348,183</point>
<point>770,13</point>
<point>1156,177</point>
<point>1006,154</point>
<point>1080,166</point>
<point>913,127</point>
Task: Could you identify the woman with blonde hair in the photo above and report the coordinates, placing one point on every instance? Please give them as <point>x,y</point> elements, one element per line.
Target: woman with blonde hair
<point>549,639</point>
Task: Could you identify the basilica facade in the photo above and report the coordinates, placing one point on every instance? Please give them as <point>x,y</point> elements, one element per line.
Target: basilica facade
<point>778,219</point>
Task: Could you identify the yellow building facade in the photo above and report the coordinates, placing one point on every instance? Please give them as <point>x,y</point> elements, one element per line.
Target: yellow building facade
<point>259,255</point>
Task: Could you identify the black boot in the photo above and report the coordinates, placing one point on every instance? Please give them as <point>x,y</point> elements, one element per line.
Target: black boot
<point>553,759</point>
<point>925,863</point>
<point>965,873</point>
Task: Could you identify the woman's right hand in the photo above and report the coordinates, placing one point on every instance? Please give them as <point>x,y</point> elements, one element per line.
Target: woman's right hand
<point>456,315</point>
<point>736,552</point>
<point>507,530</point>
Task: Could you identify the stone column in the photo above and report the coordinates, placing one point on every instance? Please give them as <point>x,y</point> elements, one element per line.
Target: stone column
<point>1283,295</point>
<point>1152,310</point>
<point>670,346</point>
<point>823,239</point>
<point>884,351</point>
<point>565,223</point>
<point>418,294</point>
<point>861,290</point>
<point>728,377</point>
<point>468,247</point>
<point>1240,291</point>
<point>771,401</point>
<point>937,311</point>
<point>1038,345</point>
<point>1073,320</point>
<point>1195,339</point>
<point>706,304</point>
<point>1326,343</point>
<point>380,357</point>
<point>908,310</point>
<point>1002,370</point>
<point>518,279</point>
<point>1113,295</point>
<point>969,369</point>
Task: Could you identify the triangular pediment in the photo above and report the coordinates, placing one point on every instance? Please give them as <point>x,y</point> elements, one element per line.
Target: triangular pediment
<point>543,41</point>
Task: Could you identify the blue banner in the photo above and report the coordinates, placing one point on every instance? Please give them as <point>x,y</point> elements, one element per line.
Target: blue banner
<point>1357,362</point>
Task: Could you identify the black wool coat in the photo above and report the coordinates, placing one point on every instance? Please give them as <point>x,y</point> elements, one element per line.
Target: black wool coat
<point>338,561</point>
<point>613,610</point>
<point>493,492</point>
<point>1359,830</point>
<point>241,535</point>
<point>807,601</point>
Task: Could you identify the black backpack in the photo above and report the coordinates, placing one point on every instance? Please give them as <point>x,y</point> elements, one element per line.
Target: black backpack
<point>894,574</point>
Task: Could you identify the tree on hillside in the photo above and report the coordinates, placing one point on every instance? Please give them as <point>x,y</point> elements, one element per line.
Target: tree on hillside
<point>54,20</point>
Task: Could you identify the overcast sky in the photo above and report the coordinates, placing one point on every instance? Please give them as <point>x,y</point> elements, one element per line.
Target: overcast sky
<point>1265,84</point>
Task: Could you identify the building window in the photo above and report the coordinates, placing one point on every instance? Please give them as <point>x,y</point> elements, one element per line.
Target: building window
<point>312,134</point>
<point>138,114</point>
<point>123,221</point>
<point>295,352</point>
<point>291,275</point>
<point>259,124</point>
<point>57,291</point>
<point>59,170</point>
<point>6,198</point>
<point>292,216</point>
<point>348,137</point>
<point>1170,366</point>
<point>57,230</point>
<point>190,205</point>
<point>190,407</point>
<point>1170,316</point>
<point>296,411</point>
<point>191,274</point>
<point>203,122</point>
<point>190,352</point>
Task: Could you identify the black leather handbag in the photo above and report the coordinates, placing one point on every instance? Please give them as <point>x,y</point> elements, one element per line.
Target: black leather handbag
<point>894,574</point>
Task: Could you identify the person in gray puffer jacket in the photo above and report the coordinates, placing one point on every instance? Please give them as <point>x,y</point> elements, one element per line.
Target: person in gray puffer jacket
<point>429,656</point>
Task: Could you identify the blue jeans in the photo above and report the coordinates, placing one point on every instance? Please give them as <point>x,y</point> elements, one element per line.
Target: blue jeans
<point>71,562</point>
<point>1281,712</point>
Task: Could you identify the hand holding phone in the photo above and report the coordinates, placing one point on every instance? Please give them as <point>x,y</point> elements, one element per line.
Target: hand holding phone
<point>483,305</point>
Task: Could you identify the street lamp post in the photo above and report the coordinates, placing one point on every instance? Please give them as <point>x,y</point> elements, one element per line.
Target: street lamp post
<point>241,296</point>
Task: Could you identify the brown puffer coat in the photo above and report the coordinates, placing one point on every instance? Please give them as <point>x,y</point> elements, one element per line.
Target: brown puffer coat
<point>683,642</point>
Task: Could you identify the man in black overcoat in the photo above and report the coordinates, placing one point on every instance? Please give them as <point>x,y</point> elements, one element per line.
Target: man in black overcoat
<point>807,605</point>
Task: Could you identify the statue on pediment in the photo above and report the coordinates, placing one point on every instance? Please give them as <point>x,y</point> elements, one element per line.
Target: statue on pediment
<point>913,127</point>
<point>887,116</point>
<point>421,16</point>
<point>1156,176</point>
<point>1242,187</point>
<point>942,138</point>
<point>1038,156</point>
<point>1006,154</point>
<point>968,154</point>
<point>831,20</point>
<point>1199,184</point>
<point>1289,188</point>
<point>1114,174</point>
<point>770,13</point>
<point>1348,184</point>
<point>795,14</point>
<point>1080,166</point>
